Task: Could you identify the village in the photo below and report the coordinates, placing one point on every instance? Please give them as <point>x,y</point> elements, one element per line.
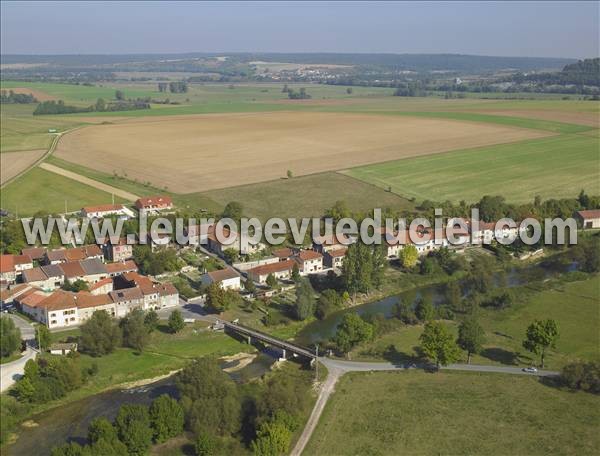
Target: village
<point>39,281</point>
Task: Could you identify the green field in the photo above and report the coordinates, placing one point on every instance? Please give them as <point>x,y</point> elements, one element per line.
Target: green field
<point>552,167</point>
<point>42,190</point>
<point>390,413</point>
<point>575,306</point>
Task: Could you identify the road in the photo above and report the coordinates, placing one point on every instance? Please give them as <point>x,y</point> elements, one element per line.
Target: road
<point>337,368</point>
<point>10,372</point>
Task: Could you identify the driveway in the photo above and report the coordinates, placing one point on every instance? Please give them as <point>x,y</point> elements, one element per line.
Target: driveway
<point>12,371</point>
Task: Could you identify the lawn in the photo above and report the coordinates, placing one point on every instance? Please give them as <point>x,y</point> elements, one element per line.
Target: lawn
<point>389,413</point>
<point>575,306</point>
<point>308,196</point>
<point>43,190</point>
<point>553,167</point>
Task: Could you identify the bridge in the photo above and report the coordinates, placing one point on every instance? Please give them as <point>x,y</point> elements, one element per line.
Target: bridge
<point>266,339</point>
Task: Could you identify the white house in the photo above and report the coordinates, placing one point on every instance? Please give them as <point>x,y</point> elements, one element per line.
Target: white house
<point>106,210</point>
<point>227,278</point>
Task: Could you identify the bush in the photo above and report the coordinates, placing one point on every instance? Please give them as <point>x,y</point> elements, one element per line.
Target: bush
<point>166,416</point>
<point>582,376</point>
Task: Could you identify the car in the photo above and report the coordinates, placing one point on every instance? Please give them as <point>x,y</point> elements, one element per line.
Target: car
<point>530,370</point>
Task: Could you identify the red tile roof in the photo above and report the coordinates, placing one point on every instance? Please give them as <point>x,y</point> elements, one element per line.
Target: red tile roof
<point>101,283</point>
<point>7,263</point>
<point>126,266</point>
<point>284,252</point>
<point>273,267</point>
<point>222,274</point>
<point>72,269</point>
<point>85,299</point>
<point>36,253</point>
<point>307,255</point>
<point>338,252</point>
<point>103,208</point>
<point>589,214</point>
<point>154,201</point>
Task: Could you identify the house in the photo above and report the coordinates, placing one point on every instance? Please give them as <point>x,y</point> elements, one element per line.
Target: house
<point>227,278</point>
<point>8,295</point>
<point>309,261</point>
<point>284,253</point>
<point>198,234</point>
<point>153,204</point>
<point>279,270</point>
<point>30,304</point>
<point>12,266</point>
<point>95,270</point>
<point>232,241</point>
<point>73,254</point>
<point>126,300</point>
<point>326,243</point>
<point>35,253</point>
<point>115,269</point>
<point>155,295</point>
<point>589,219</point>
<point>63,348</point>
<point>47,277</point>
<point>72,271</point>
<point>118,251</point>
<point>103,286</point>
<point>88,303</point>
<point>105,210</point>
<point>335,258</point>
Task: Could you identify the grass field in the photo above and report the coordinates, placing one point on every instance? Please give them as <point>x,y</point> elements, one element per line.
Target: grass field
<point>211,152</point>
<point>575,307</point>
<point>553,167</point>
<point>42,190</point>
<point>454,413</point>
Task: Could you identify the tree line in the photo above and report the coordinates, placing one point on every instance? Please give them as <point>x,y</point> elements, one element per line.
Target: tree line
<point>10,96</point>
<point>173,87</point>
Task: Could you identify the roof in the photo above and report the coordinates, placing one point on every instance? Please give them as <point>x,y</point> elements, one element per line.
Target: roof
<point>103,208</point>
<point>307,255</point>
<point>72,269</point>
<point>149,201</point>
<point>34,275</point>
<point>22,259</point>
<point>333,240</point>
<point>93,266</point>
<point>52,270</point>
<point>8,293</point>
<point>84,299</point>
<point>222,274</point>
<point>338,252</point>
<point>59,300</point>
<point>56,255</point>
<point>33,299</point>
<point>63,346</point>
<point>266,269</point>
<point>83,252</point>
<point>7,263</point>
<point>589,214</point>
<point>126,294</point>
<point>125,266</point>
<point>101,283</point>
<point>36,253</point>
<point>284,252</point>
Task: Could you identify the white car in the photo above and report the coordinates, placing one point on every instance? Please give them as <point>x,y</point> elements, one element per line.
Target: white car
<point>530,370</point>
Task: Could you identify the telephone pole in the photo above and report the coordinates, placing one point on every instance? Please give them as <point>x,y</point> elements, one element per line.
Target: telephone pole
<point>317,364</point>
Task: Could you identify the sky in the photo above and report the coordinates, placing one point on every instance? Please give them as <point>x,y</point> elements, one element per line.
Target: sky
<point>534,29</point>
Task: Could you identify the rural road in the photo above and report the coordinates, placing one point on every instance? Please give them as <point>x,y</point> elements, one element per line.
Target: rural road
<point>9,372</point>
<point>91,182</point>
<point>337,368</point>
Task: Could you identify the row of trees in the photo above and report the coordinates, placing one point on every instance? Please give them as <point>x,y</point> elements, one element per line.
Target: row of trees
<point>173,87</point>
<point>10,96</point>
<point>59,107</point>
<point>135,429</point>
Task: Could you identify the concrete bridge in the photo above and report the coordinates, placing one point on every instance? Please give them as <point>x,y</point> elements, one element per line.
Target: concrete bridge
<point>251,334</point>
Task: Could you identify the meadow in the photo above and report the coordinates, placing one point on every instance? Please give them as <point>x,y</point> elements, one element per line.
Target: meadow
<point>412,412</point>
<point>553,167</point>
<point>575,306</point>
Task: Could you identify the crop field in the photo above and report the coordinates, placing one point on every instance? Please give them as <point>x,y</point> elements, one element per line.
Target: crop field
<point>191,154</point>
<point>553,167</point>
<point>42,190</point>
<point>389,413</point>
<point>13,163</point>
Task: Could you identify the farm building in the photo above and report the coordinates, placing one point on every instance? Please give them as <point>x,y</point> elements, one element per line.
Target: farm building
<point>589,218</point>
<point>105,210</point>
<point>152,204</point>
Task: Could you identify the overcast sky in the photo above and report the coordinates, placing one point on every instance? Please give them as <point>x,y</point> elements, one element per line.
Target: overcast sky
<point>541,29</point>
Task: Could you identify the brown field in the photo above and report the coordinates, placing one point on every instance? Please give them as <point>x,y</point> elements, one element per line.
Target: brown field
<point>41,96</point>
<point>12,163</point>
<point>204,152</point>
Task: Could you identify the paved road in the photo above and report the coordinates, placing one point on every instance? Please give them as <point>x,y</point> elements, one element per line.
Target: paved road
<point>10,372</point>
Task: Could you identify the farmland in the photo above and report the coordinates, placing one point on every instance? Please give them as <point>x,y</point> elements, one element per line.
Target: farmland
<point>211,152</point>
<point>552,167</point>
<point>454,413</point>
<point>13,163</point>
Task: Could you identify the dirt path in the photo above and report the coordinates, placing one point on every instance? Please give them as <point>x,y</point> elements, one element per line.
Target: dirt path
<point>327,388</point>
<point>87,181</point>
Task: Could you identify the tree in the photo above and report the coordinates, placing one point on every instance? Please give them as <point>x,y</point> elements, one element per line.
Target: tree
<point>471,336</point>
<point>352,331</point>
<point>99,335</point>
<point>249,286</point>
<point>209,397</point>
<point>104,447</point>
<point>100,105</point>
<point>408,256</point>
<point>271,281</point>
<point>290,174</point>
<point>453,295</point>
<point>582,376</point>
<point>215,297</point>
<point>78,285</point>
<point>101,429</point>
<point>231,255</point>
<point>43,337</point>
<point>133,427</point>
<point>233,210</point>
<point>176,322</point>
<point>135,331</point>
<point>285,89</point>
<point>438,345</point>
<point>349,90</point>
<point>166,416</point>
<point>305,300</point>
<point>206,444</point>
<point>362,268</point>
<point>10,336</point>
<point>273,438</point>
<point>68,449</point>
<point>119,95</point>
<point>327,303</point>
<point>296,273</point>
<point>405,312</point>
<point>541,335</point>
<point>424,310</point>
<point>151,320</point>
